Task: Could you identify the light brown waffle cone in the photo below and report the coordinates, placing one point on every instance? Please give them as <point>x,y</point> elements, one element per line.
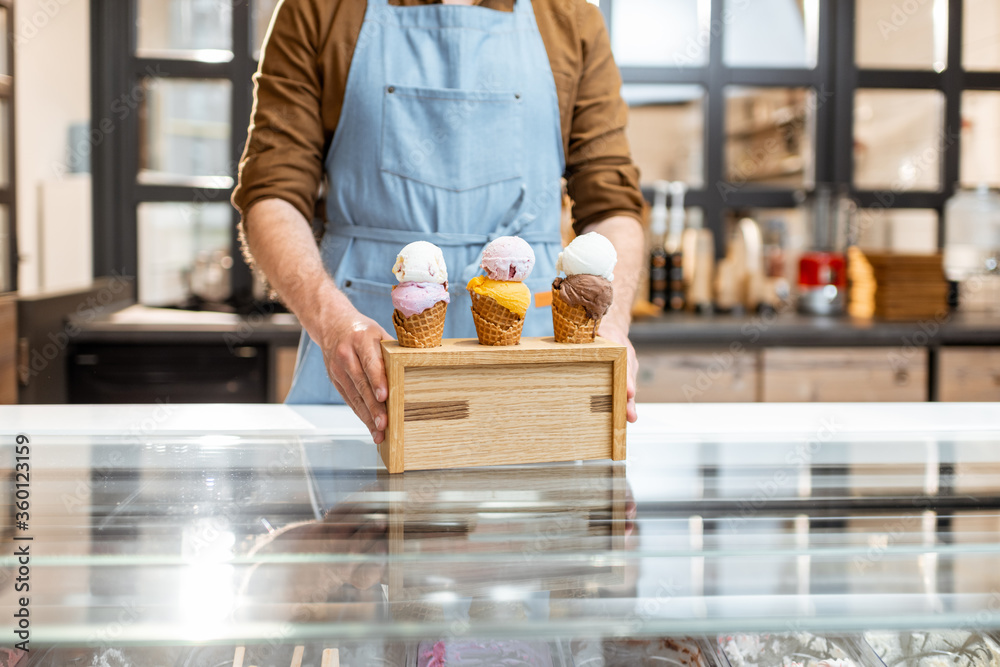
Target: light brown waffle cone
<point>423,329</point>
<point>495,325</point>
<point>571,323</point>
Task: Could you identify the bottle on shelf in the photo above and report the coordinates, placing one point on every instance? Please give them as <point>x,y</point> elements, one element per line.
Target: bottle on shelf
<point>674,249</point>
<point>658,273</point>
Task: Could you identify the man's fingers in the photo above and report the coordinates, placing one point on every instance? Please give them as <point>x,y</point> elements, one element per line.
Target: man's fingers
<point>371,361</point>
<point>372,406</point>
<point>345,373</point>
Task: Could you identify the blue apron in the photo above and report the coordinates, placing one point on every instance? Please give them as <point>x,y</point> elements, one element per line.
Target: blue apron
<point>450,133</point>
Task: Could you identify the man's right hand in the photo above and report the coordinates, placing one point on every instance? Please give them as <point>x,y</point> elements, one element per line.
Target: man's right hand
<point>285,250</point>
<point>352,352</point>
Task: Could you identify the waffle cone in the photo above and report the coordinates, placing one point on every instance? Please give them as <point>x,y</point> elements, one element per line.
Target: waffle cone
<point>495,325</point>
<point>423,329</point>
<point>571,323</point>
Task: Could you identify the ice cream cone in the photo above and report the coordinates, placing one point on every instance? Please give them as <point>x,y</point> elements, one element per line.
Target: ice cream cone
<point>571,323</point>
<point>423,329</point>
<point>495,325</point>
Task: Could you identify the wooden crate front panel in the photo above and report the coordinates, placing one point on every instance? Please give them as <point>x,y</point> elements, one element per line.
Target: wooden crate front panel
<point>496,415</point>
<point>839,375</point>
<point>8,350</point>
<point>969,374</point>
<point>696,376</point>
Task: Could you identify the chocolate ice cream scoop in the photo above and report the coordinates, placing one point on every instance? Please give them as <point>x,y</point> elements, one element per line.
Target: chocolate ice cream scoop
<point>593,293</point>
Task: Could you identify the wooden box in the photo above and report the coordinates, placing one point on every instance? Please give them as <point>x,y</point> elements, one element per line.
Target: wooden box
<point>465,404</point>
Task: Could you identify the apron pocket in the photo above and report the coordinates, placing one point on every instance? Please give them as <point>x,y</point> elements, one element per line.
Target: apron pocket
<point>451,139</point>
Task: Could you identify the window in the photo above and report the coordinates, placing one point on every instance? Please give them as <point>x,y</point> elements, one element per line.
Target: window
<point>744,121</point>
<point>895,101</point>
<point>8,227</point>
<point>895,105</point>
<point>171,103</point>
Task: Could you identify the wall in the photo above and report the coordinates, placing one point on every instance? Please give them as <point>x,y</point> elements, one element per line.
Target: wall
<point>52,74</point>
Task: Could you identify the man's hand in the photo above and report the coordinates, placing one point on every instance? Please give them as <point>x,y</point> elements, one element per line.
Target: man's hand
<point>353,356</point>
<point>615,334</point>
<point>627,236</point>
<point>284,248</point>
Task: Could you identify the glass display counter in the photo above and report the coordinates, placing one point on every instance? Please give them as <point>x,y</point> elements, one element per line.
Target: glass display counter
<point>731,536</point>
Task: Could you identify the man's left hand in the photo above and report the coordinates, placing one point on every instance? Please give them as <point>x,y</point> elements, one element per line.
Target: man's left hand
<point>613,333</point>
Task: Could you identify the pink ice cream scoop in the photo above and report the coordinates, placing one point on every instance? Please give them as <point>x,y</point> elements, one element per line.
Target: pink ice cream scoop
<point>411,298</point>
<point>508,258</point>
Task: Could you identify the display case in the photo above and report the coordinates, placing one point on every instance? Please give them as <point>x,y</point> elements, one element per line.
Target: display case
<point>733,535</point>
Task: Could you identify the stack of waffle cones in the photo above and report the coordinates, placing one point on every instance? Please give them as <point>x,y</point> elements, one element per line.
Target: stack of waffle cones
<point>572,324</point>
<point>423,329</point>
<point>495,325</point>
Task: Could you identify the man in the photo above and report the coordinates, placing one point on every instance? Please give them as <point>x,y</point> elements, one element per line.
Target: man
<point>439,122</point>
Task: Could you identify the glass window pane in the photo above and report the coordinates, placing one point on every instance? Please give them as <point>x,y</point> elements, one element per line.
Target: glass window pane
<point>173,239</point>
<point>262,11</point>
<point>185,131</point>
<point>980,138</point>
<point>796,21</point>
<point>195,29</point>
<point>903,230</point>
<point>4,143</point>
<point>666,132</point>
<point>769,136</point>
<point>981,35</point>
<point>902,35</point>
<point>898,139</point>
<point>661,32</point>
<point>4,65</point>
<point>5,250</point>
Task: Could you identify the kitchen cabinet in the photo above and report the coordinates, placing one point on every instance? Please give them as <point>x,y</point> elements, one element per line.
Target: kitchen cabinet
<point>176,534</point>
<point>696,375</point>
<point>896,374</point>
<point>8,349</point>
<point>969,374</point>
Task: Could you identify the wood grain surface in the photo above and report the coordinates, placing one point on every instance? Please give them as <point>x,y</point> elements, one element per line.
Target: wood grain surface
<point>464,404</point>
<point>969,374</point>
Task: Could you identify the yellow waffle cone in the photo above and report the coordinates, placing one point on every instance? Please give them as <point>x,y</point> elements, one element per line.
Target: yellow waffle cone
<point>571,323</point>
<point>423,329</point>
<point>495,325</point>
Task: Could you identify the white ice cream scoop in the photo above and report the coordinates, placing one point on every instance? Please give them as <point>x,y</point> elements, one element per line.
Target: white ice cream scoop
<point>420,262</point>
<point>590,254</point>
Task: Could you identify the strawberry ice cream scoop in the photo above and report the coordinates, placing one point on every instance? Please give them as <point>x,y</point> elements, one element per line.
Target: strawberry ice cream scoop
<point>508,258</point>
<point>413,298</point>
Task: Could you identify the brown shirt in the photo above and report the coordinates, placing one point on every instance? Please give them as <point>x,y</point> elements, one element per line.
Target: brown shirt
<point>299,93</point>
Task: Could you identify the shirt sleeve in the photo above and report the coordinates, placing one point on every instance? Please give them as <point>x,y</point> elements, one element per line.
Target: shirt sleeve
<point>602,179</point>
<point>283,157</point>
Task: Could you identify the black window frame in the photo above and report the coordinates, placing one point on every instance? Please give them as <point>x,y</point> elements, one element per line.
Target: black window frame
<point>118,71</point>
<point>8,194</point>
<point>838,73</point>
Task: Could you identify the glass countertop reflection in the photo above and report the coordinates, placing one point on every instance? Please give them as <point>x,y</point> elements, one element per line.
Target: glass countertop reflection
<point>173,539</point>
